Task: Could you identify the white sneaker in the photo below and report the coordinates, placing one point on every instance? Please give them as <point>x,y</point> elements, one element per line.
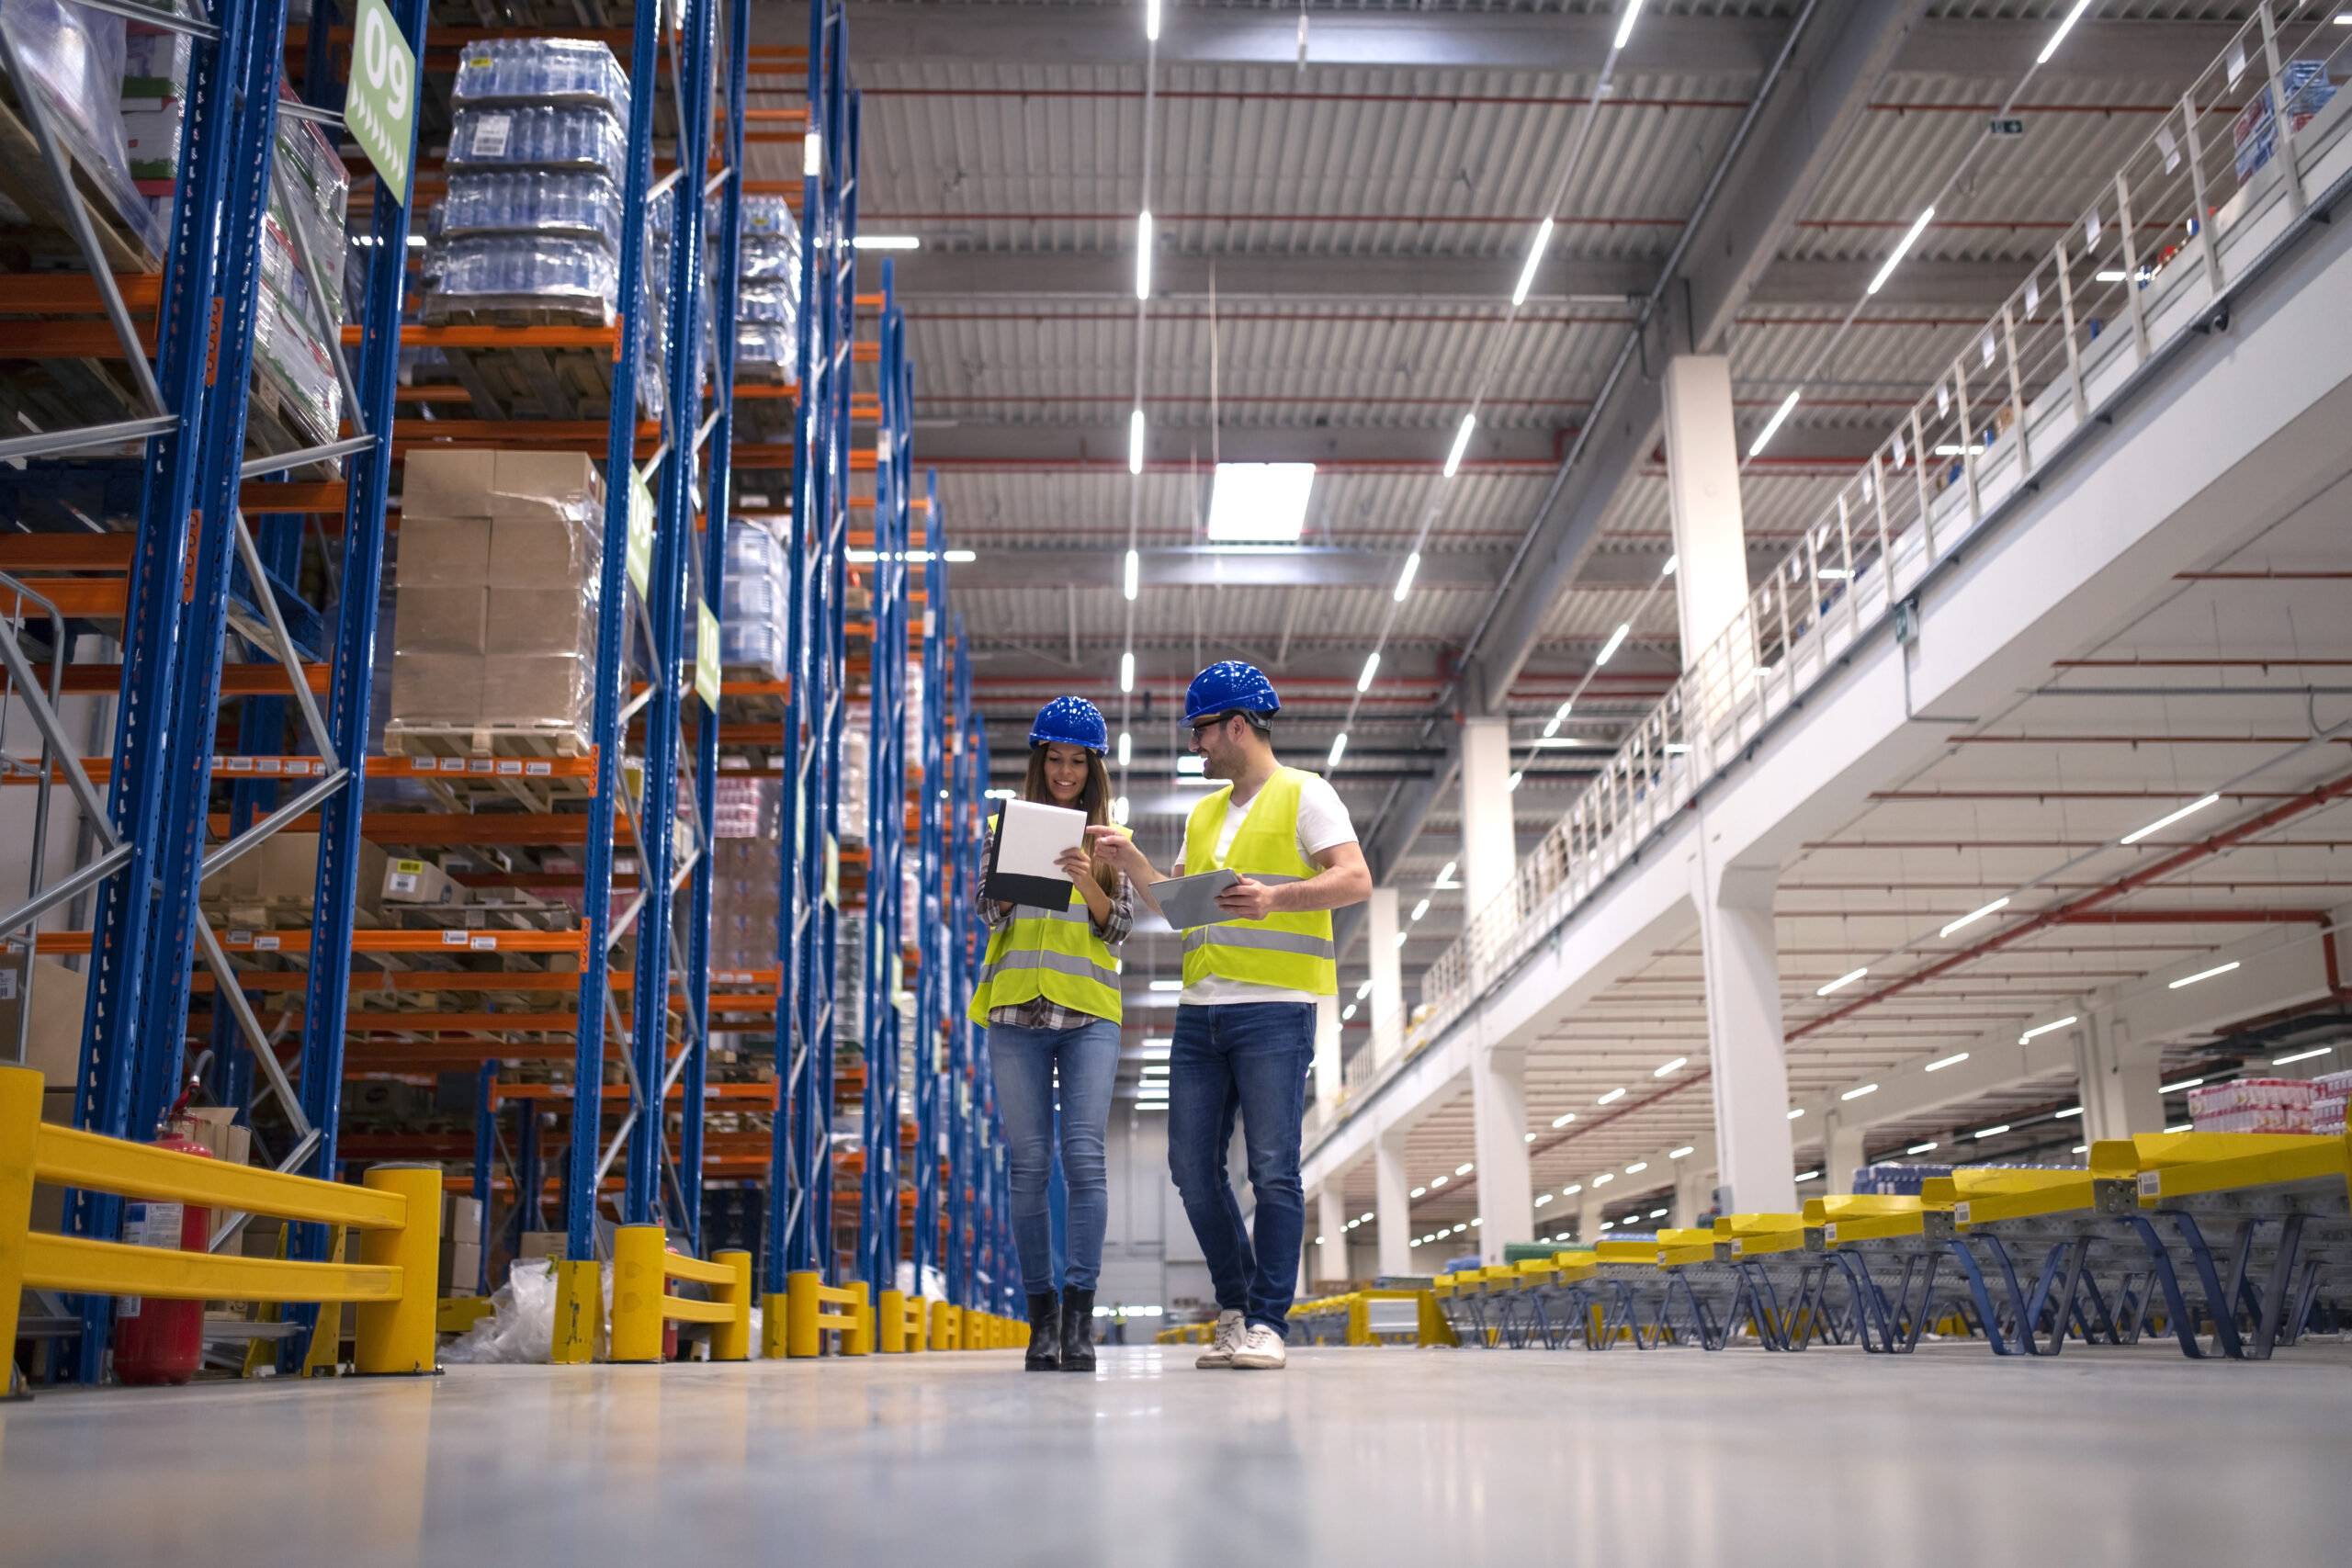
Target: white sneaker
<point>1230,1332</point>
<point>1261,1350</point>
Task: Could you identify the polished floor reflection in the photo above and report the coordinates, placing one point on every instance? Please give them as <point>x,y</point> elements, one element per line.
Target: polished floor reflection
<point>1350,1457</point>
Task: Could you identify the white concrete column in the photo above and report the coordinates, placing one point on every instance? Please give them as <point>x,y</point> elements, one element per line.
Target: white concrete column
<point>1702,496</point>
<point>1388,978</point>
<point>1489,841</point>
<point>2118,1081</point>
<point>1741,955</point>
<point>1331,1217</point>
<point>1391,1206</point>
<point>1841,1152</point>
<point>1588,1215</point>
<point>1327,1056</point>
<point>1498,1126</point>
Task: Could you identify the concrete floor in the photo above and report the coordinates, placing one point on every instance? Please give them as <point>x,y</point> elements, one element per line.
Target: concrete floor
<point>1351,1457</point>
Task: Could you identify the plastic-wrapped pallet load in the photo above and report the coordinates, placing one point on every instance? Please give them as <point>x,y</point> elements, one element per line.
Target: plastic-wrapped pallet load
<point>2330,1092</point>
<point>495,620</point>
<point>2253,1105</point>
<point>1889,1178</point>
<point>753,602</point>
<point>74,55</point>
<point>767,312</point>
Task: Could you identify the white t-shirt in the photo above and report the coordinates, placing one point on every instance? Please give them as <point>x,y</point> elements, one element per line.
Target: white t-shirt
<point>1322,822</point>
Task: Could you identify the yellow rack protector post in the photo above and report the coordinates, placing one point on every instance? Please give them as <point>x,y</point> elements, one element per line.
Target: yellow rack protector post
<point>807,1320</point>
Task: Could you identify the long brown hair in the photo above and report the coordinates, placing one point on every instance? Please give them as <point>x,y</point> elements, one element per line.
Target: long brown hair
<point>1094,798</point>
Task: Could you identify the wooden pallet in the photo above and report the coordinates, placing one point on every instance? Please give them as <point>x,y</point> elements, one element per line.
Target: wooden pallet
<point>24,178</point>
<point>537,765</point>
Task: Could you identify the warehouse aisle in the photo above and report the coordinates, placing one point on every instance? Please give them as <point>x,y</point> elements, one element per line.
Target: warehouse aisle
<point>1350,1457</point>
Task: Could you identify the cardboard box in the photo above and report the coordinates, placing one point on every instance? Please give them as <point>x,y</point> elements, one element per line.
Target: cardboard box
<point>436,689</point>
<point>53,1036</point>
<point>544,1243</point>
<point>538,621</point>
<point>549,552</point>
<point>461,1267</point>
<point>443,552</point>
<point>419,882</point>
<point>438,482</point>
<point>284,869</point>
<point>153,138</point>
<point>442,620</point>
<point>534,689</point>
<point>461,1218</point>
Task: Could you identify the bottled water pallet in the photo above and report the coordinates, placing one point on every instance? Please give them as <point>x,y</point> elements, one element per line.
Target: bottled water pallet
<point>536,764</point>
<point>527,381</point>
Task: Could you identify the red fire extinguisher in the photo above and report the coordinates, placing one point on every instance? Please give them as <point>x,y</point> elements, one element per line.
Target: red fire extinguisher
<point>159,1341</point>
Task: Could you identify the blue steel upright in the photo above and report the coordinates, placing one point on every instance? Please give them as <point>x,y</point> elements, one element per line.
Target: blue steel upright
<point>596,854</point>
<point>933,978</point>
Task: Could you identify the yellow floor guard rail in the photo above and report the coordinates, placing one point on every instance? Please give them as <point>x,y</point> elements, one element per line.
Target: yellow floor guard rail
<point>397,1211</point>
<point>948,1325</point>
<point>898,1328</point>
<point>797,1322</point>
<point>642,1269</point>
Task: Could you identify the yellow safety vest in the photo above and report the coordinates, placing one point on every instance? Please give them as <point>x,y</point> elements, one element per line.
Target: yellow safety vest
<point>1291,951</point>
<point>1054,953</point>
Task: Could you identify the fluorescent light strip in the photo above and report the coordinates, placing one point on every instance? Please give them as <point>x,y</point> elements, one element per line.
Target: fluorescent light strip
<point>1839,984</point>
<point>1151,20</point>
<point>1955,1059</point>
<point>1126,748</point>
<point>1994,1132</point>
<point>1339,748</point>
<point>1970,919</point>
<point>2041,1028</point>
<point>1614,1096</point>
<point>1902,249</point>
<point>1683,1153</point>
<point>2202,974</point>
<point>1858,1093</point>
<point>1126,671</point>
<point>1920,1149</point>
<point>2183,1087</point>
<point>2163,822</point>
<point>2300,1055</point>
<point>1404,578</point>
<point>1674,1067</point>
<point>813,155</point>
<point>1626,27</point>
<point>1370,667</point>
<point>1133,574</point>
<point>887,242</point>
<point>1535,258</point>
<point>1772,425</point>
<point>1134,446</point>
<point>2064,28</point>
<point>1461,444</point>
<point>1609,650</point>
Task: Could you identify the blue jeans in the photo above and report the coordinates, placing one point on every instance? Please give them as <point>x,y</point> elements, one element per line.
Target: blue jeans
<point>1024,1062</point>
<point>1249,1060</point>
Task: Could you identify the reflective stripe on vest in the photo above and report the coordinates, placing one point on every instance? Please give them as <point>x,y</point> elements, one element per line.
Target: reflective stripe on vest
<point>1291,950</point>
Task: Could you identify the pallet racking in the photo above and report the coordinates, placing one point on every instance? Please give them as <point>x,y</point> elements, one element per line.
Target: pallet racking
<point>630,816</point>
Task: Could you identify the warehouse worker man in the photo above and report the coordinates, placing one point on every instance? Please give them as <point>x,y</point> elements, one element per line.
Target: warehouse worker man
<point>1245,1024</point>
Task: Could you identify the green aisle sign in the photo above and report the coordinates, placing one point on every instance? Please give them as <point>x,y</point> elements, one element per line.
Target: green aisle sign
<point>640,532</point>
<point>380,108</point>
<point>706,655</point>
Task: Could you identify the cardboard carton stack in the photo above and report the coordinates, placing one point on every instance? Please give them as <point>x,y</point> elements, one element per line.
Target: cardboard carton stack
<point>495,620</point>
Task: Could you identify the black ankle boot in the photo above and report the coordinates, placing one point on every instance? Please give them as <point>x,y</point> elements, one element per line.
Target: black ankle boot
<point>1078,1330</point>
<point>1044,1334</point>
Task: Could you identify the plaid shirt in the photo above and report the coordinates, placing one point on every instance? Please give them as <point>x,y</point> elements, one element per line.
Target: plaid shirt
<point>1043,1012</point>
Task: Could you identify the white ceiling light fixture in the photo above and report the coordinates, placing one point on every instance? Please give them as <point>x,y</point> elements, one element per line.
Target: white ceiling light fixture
<point>2074,16</point>
<point>1421,909</point>
<point>1119,810</point>
<point>1126,748</point>
<point>813,155</point>
<point>1195,767</point>
<point>1638,1167</point>
<point>1370,667</point>
<point>2183,1087</point>
<point>1858,1093</point>
<point>1260,503</point>
<point>1671,562</point>
<point>887,242</point>
<point>1796,1113</point>
<point>1461,444</point>
<point>1612,1097</point>
<point>1166,986</point>
<point>1955,1059</point>
<point>1534,259</point>
<point>1604,1178</point>
<point>1131,578</point>
<point>1404,578</point>
<point>1839,984</point>
<point>1772,425</point>
<point>1515,777</point>
<point>2040,1029</point>
<point>1445,877</point>
<point>1436,1182</point>
<point>1808,1176</point>
<point>1920,1149</point>
<point>1126,671</point>
<point>2202,974</point>
<point>1338,750</point>
<point>1562,1120</point>
<point>1143,254</point>
<point>1465,1168</point>
<point>1363,990</point>
<point>1572,1189</point>
<point>2161,823</point>
<point>1420,1191</point>
<point>1609,650</point>
<point>1994,1132</point>
<point>1970,919</point>
<point>1135,448</point>
<point>1625,24</point>
<point>2301,1057</point>
<point>1151,20</point>
<point>1685,1151</point>
<point>1902,249</point>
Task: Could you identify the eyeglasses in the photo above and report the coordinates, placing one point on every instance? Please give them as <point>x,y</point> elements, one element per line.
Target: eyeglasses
<point>1208,724</point>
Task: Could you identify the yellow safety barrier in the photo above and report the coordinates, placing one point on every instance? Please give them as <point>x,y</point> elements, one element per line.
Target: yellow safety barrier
<point>899,1327</point>
<point>397,1213</point>
<point>946,1327</point>
<point>642,1269</point>
<point>457,1314</point>
<point>579,1312</point>
<point>797,1322</point>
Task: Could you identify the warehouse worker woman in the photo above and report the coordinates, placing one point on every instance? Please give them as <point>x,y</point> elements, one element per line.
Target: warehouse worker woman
<point>1049,995</point>
<point>1245,1024</point>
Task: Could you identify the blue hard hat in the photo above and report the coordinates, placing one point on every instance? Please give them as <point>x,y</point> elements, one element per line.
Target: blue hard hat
<point>1225,685</point>
<point>1073,721</point>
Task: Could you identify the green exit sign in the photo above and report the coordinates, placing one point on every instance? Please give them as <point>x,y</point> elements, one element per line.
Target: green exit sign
<point>2010,126</point>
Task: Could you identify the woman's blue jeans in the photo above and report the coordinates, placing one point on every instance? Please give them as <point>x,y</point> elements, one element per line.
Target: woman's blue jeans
<point>1025,1063</point>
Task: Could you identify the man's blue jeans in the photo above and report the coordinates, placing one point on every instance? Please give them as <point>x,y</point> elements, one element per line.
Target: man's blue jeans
<point>1249,1060</point>
<point>1024,1062</point>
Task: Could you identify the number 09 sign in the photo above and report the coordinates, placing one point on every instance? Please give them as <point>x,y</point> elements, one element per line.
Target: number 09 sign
<point>379,110</point>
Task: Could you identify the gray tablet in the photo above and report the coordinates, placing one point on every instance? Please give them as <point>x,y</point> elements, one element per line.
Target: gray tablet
<point>1190,901</point>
